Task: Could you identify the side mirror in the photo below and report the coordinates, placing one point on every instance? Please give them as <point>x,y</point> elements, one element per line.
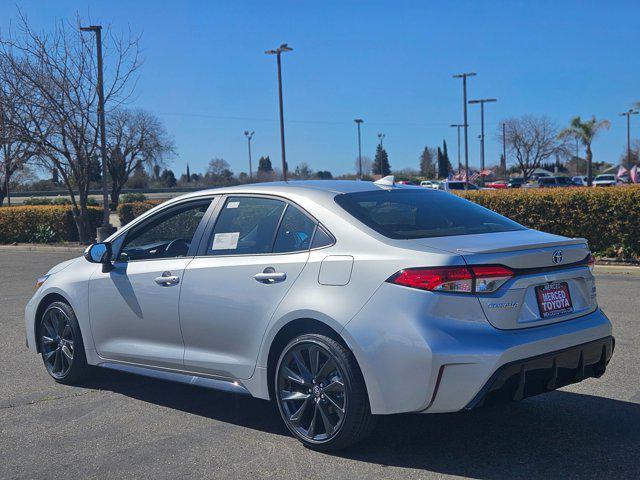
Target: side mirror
<point>100,253</point>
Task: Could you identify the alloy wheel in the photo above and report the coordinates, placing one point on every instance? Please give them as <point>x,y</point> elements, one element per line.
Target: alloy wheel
<point>57,342</point>
<point>311,391</point>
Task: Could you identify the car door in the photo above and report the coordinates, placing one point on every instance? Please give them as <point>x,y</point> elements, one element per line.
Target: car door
<point>252,256</point>
<point>134,307</point>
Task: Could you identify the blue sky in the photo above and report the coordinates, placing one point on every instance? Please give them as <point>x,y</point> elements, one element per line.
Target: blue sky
<point>389,62</point>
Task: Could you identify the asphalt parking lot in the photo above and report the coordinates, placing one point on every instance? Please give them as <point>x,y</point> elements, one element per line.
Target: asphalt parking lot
<point>123,426</point>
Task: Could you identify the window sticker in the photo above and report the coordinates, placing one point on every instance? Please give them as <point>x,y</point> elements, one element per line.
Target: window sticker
<point>233,204</point>
<point>225,241</point>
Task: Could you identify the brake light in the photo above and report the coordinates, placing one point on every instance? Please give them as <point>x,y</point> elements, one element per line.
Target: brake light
<point>474,279</point>
<point>444,279</point>
<point>591,261</point>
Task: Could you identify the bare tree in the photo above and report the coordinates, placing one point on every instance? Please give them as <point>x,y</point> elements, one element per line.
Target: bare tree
<point>14,151</point>
<point>530,141</point>
<point>135,138</point>
<point>52,77</point>
<point>367,165</point>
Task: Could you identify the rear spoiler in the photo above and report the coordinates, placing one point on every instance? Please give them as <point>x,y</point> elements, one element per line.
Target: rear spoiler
<point>513,248</point>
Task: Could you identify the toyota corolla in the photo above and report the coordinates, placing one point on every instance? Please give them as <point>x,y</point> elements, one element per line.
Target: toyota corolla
<point>341,301</point>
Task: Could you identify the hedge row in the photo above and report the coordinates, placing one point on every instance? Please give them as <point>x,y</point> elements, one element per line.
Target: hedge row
<point>609,218</point>
<point>43,224</point>
<point>129,211</point>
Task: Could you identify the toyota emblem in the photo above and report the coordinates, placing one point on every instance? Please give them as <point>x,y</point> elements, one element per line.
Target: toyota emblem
<point>557,257</point>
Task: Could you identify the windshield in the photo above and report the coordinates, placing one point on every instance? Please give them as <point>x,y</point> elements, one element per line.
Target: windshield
<point>605,177</point>
<point>406,214</point>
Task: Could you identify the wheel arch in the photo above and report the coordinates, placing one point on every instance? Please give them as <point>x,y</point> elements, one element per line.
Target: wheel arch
<point>289,331</point>
<point>47,300</point>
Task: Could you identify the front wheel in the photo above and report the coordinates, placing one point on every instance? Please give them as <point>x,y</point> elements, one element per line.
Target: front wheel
<point>61,344</point>
<point>321,394</point>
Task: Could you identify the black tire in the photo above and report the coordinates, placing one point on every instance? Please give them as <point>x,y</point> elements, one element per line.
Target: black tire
<point>347,403</point>
<point>58,337</point>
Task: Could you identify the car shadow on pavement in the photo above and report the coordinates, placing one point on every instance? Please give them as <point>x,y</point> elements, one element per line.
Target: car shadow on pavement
<point>560,434</point>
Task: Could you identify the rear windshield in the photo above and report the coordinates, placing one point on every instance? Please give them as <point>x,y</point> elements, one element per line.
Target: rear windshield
<point>406,214</point>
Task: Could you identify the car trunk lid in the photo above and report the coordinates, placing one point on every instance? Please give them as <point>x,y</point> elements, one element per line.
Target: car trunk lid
<point>555,264</point>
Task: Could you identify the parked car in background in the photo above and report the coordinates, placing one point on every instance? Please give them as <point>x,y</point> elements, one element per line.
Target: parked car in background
<point>606,180</point>
<point>580,180</point>
<point>430,184</point>
<point>538,175</point>
<point>497,184</point>
<point>554,182</point>
<point>338,300</point>
<point>456,185</point>
<point>515,182</point>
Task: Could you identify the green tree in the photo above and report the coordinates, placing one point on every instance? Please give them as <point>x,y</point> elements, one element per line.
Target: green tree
<point>168,178</point>
<point>427,165</point>
<point>443,165</point>
<point>188,179</point>
<point>381,162</point>
<point>264,165</point>
<point>445,154</point>
<point>585,132</point>
<point>323,175</point>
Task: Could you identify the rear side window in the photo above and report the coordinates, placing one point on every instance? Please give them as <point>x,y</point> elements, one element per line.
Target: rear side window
<point>246,225</point>
<point>295,231</point>
<point>422,213</point>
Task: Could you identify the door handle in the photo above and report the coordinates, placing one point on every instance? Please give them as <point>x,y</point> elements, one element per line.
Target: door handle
<point>167,279</point>
<point>270,276</point>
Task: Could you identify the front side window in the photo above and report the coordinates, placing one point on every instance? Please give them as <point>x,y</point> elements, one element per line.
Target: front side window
<point>422,213</point>
<point>167,234</point>
<point>246,225</point>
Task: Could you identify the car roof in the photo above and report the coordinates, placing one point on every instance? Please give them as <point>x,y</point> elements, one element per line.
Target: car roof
<point>315,189</point>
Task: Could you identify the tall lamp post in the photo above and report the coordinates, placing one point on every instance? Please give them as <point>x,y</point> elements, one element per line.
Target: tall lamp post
<point>482,101</point>
<point>503,164</point>
<point>628,114</point>
<point>359,121</point>
<point>249,136</point>
<point>458,127</point>
<point>464,76</point>
<point>106,229</point>
<point>278,52</point>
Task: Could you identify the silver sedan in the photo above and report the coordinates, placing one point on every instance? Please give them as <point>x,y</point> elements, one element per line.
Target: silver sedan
<point>339,300</point>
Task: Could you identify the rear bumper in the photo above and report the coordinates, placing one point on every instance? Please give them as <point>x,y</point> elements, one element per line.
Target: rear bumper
<point>419,352</point>
<point>543,373</point>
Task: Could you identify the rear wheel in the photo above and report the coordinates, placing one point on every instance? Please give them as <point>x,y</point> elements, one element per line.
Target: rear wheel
<point>61,344</point>
<point>321,394</point>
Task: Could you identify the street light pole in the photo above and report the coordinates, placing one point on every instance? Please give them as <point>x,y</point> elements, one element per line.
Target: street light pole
<point>482,101</point>
<point>577,156</point>
<point>278,52</point>
<point>503,165</point>
<point>458,126</point>
<point>249,136</point>
<point>464,76</point>
<point>628,114</point>
<point>359,121</point>
<point>106,229</point>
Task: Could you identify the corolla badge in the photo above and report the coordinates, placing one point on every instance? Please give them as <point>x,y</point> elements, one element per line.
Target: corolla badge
<point>557,257</point>
<point>503,305</point>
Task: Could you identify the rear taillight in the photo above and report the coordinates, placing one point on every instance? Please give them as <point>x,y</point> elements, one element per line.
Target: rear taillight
<point>490,278</point>
<point>591,261</point>
<point>473,279</point>
<point>440,279</point>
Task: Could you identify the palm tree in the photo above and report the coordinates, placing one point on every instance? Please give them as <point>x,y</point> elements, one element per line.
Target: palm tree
<point>585,132</point>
